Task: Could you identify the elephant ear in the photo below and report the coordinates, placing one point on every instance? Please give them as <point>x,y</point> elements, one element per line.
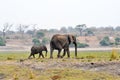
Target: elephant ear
<point>70,38</point>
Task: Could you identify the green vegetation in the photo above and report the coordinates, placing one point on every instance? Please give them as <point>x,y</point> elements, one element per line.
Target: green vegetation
<point>105,41</point>
<point>82,55</point>
<point>13,55</point>
<point>45,41</point>
<point>40,34</point>
<point>117,41</point>
<point>2,42</point>
<point>114,54</point>
<point>80,45</point>
<point>36,41</point>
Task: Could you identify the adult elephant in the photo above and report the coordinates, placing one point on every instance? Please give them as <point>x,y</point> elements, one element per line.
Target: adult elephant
<point>38,49</point>
<point>60,42</point>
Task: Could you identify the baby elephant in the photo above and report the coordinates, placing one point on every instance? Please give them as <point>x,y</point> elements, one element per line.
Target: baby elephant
<point>38,49</point>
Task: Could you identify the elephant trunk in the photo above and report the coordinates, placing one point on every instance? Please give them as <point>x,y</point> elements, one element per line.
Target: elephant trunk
<point>75,49</point>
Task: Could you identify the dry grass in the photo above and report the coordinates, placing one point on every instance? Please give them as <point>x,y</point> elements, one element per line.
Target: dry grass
<point>54,74</point>
<point>114,54</point>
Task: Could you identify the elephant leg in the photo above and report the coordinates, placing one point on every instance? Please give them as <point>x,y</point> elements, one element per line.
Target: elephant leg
<point>68,53</point>
<point>42,55</point>
<point>33,56</point>
<point>64,53</point>
<point>59,53</point>
<point>29,56</point>
<point>51,52</point>
<point>39,55</point>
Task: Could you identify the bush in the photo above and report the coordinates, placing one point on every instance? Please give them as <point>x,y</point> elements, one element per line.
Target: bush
<point>80,45</point>
<point>40,34</point>
<point>36,41</point>
<point>7,37</point>
<point>2,42</point>
<point>45,41</point>
<point>117,41</point>
<point>105,41</point>
<point>114,54</point>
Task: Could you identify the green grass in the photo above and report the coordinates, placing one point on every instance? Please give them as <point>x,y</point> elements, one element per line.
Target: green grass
<point>13,55</point>
<point>84,55</point>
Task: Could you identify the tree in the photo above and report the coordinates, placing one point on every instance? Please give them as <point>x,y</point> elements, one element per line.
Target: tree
<point>6,27</point>
<point>21,28</point>
<point>36,41</point>
<point>53,30</point>
<point>30,32</point>
<point>34,29</point>
<point>105,41</point>
<point>106,38</point>
<point>40,34</point>
<point>117,28</point>
<point>92,28</point>
<point>71,29</point>
<point>89,33</point>
<point>109,28</point>
<point>117,41</point>
<point>63,30</point>
<point>81,28</point>
<point>45,41</point>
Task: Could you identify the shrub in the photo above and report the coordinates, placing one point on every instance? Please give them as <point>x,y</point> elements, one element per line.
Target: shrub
<point>105,41</point>
<point>15,77</point>
<point>31,75</point>
<point>40,34</point>
<point>114,54</point>
<point>117,41</point>
<point>2,42</point>
<point>36,41</point>
<point>45,41</point>
<point>7,37</point>
<point>82,45</point>
<point>9,58</point>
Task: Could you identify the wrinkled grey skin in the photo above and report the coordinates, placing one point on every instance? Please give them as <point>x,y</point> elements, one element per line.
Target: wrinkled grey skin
<point>60,42</point>
<point>38,49</point>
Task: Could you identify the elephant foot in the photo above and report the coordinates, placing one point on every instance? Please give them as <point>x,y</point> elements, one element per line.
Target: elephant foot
<point>68,57</point>
<point>38,58</point>
<point>29,57</point>
<point>61,56</point>
<point>51,57</point>
<point>58,56</point>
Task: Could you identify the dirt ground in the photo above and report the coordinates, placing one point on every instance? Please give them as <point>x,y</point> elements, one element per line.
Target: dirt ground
<point>111,67</point>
